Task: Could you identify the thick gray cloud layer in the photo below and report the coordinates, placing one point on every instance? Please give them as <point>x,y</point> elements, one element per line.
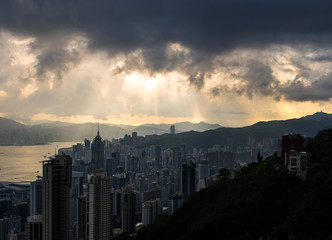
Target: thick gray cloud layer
<point>206,27</point>
<point>209,26</point>
<point>319,90</point>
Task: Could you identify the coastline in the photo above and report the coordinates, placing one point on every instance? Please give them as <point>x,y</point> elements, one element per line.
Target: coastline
<point>24,144</point>
<point>22,163</point>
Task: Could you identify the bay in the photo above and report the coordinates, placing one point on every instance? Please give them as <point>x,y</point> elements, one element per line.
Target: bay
<point>23,163</point>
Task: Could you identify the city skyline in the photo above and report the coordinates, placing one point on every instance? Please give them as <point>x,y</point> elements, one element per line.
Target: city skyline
<point>231,63</point>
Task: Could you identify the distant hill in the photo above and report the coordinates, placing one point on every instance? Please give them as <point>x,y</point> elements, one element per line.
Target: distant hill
<point>264,201</point>
<point>183,127</point>
<point>318,116</point>
<point>8,124</point>
<point>149,129</point>
<point>192,134</point>
<point>308,126</point>
<point>12,132</point>
<point>51,124</point>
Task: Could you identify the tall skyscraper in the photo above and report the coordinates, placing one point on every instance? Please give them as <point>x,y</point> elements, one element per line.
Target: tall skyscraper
<point>87,151</point>
<point>36,189</point>
<point>22,210</point>
<point>156,154</point>
<point>204,169</point>
<point>81,226</point>
<point>100,207</point>
<point>7,224</point>
<point>150,210</point>
<point>75,191</point>
<point>56,188</point>
<point>204,173</point>
<point>128,206</point>
<point>188,172</point>
<point>172,129</point>
<point>97,152</point>
<point>33,228</point>
<point>174,202</point>
<point>5,207</point>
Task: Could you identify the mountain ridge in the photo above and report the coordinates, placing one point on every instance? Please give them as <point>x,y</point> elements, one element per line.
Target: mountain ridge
<point>194,134</point>
<point>308,127</point>
<point>12,132</point>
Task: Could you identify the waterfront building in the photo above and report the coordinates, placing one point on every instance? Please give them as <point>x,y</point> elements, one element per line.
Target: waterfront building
<point>36,197</point>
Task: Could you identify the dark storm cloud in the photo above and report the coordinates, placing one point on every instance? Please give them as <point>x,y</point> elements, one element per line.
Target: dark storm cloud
<point>320,90</point>
<point>323,58</point>
<point>57,62</point>
<point>206,27</point>
<point>259,79</point>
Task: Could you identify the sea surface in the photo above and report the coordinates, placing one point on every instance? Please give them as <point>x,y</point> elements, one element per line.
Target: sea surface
<point>23,163</point>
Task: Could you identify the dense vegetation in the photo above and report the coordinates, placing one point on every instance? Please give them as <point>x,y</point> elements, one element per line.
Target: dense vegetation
<point>263,202</point>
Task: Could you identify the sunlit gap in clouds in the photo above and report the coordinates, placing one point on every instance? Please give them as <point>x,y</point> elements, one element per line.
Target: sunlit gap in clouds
<point>161,96</point>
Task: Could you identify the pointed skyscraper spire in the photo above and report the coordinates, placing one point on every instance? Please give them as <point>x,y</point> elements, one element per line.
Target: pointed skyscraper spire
<point>98,130</point>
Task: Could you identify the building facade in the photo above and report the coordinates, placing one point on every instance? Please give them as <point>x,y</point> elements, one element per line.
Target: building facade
<point>188,173</point>
<point>128,209</point>
<point>56,189</point>
<point>100,207</point>
<point>97,153</point>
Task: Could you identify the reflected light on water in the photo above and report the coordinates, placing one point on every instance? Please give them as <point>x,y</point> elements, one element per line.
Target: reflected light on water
<point>23,163</point>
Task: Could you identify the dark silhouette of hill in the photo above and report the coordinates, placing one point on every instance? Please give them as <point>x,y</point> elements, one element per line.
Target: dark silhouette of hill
<point>6,123</point>
<point>184,126</point>
<point>308,126</point>
<point>319,116</point>
<point>264,201</point>
<point>12,132</point>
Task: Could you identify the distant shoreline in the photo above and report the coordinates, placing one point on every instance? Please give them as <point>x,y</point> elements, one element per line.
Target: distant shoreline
<point>7,184</point>
<point>24,144</point>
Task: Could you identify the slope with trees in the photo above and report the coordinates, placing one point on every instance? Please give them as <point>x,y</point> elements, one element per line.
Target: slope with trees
<point>263,202</point>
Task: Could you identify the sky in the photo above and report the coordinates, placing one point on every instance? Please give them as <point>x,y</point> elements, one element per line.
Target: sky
<point>232,62</point>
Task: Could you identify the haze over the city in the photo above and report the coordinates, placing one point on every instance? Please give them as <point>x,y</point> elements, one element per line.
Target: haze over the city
<point>133,62</point>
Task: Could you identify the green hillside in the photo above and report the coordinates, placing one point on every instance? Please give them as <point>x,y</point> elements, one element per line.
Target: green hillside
<point>263,202</point>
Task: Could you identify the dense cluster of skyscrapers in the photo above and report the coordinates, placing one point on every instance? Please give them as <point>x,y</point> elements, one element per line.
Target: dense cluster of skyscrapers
<point>99,189</point>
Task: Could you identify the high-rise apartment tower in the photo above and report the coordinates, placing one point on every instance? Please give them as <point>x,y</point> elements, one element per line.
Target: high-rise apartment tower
<point>100,207</point>
<point>56,188</point>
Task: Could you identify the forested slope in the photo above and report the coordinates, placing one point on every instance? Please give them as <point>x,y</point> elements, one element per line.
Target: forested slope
<point>263,202</point>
